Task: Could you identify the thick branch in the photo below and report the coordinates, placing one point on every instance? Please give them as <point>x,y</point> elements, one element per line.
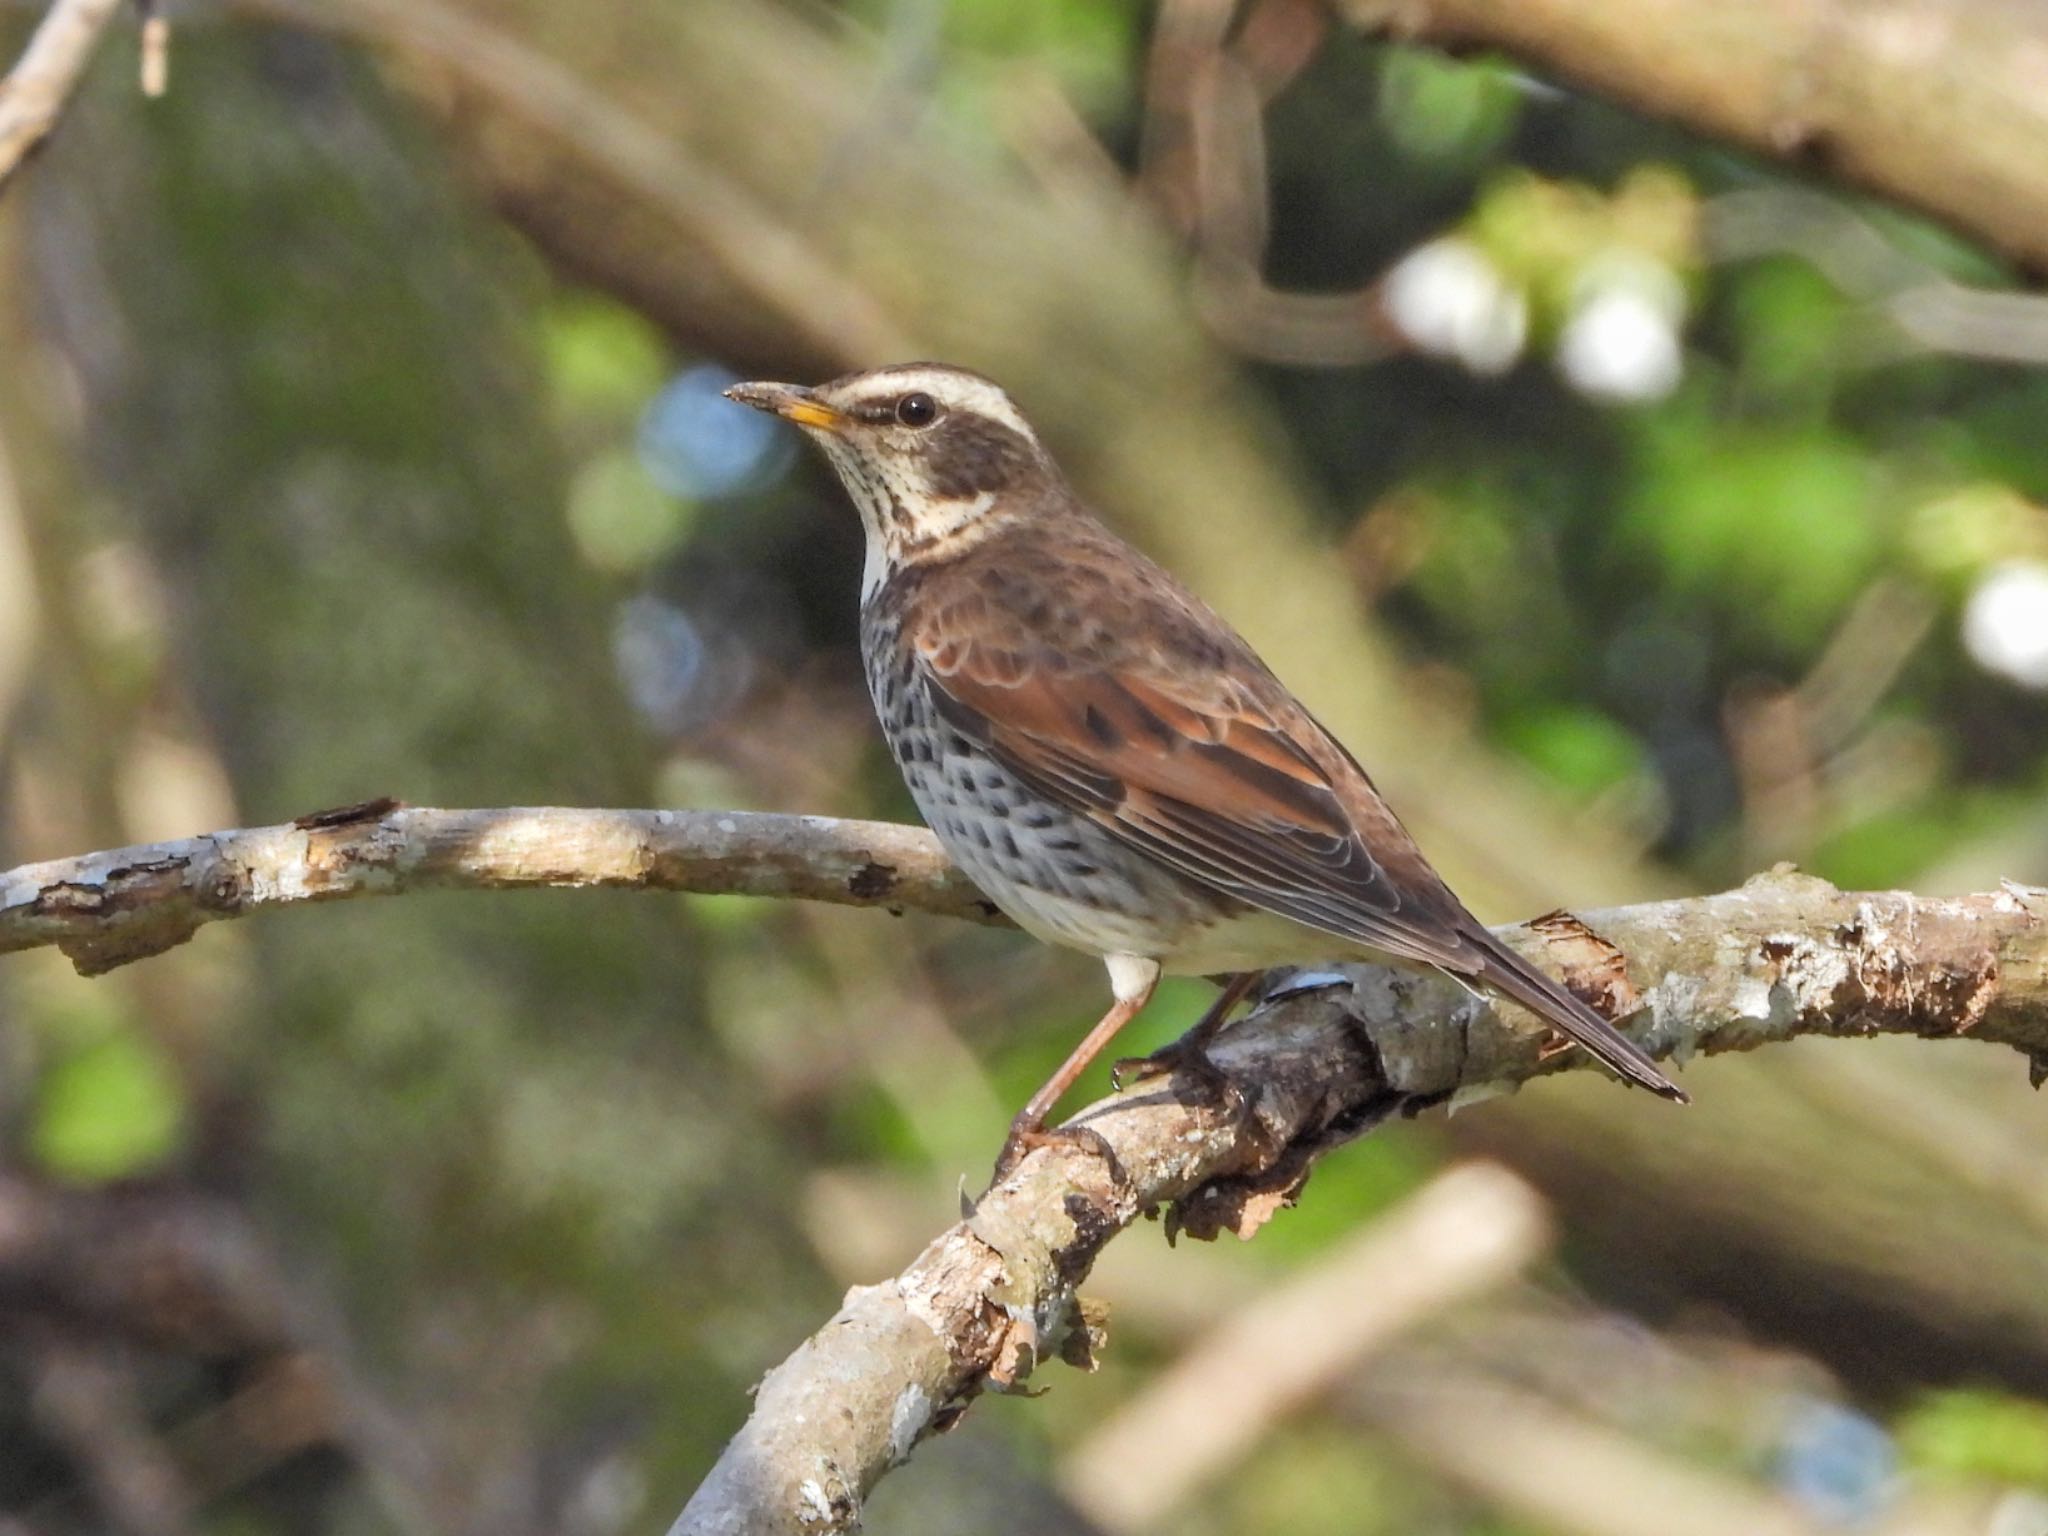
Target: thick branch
<point>1783,956</point>
<point>106,909</point>
<point>33,95</point>
<point>1933,102</point>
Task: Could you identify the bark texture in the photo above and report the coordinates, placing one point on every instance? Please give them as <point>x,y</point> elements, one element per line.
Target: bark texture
<point>1329,1056</point>
<point>1785,955</point>
<point>107,909</point>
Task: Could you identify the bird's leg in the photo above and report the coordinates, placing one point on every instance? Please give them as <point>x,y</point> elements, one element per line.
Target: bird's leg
<point>1133,979</point>
<point>1191,1050</point>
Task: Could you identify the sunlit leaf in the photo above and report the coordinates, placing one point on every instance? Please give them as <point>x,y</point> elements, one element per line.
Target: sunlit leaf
<point>108,1110</point>
<point>1978,1434</point>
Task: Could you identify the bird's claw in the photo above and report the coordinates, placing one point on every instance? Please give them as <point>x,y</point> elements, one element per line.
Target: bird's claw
<point>1137,1069</point>
<point>1026,1139</point>
<point>1190,1056</point>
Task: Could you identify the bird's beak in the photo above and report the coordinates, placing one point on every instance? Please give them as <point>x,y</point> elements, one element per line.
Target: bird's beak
<point>792,402</point>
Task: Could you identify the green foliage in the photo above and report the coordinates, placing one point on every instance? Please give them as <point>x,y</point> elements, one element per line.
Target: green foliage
<point>1575,746</point>
<point>1787,328</point>
<point>1953,537</point>
<point>1547,236</point>
<point>1086,46</point>
<point>1978,1434</point>
<point>622,521</point>
<point>108,1108</point>
<point>601,358</point>
<point>1446,116</point>
<point>1779,528</point>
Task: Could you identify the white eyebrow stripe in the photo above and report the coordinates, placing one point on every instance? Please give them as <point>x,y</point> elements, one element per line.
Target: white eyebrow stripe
<point>960,391</point>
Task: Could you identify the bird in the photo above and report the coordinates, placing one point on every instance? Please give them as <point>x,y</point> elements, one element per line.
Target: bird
<point>1099,750</point>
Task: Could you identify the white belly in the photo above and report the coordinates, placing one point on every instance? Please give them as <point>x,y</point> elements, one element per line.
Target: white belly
<point>1253,941</point>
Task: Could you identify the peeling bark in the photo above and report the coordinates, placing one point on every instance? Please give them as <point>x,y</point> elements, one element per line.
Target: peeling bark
<point>1784,955</point>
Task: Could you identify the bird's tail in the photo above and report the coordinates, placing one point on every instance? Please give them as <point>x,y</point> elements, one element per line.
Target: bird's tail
<point>1547,998</point>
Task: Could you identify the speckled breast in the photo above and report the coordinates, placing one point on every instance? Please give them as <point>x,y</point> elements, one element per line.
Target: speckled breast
<point>1054,872</point>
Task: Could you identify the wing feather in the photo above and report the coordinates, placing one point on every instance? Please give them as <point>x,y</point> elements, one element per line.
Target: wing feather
<point>1109,689</point>
<point>1208,779</point>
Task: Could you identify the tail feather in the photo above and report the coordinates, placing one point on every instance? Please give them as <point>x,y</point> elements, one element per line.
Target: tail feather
<point>1548,999</point>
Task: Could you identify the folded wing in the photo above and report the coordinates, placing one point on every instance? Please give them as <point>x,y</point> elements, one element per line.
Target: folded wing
<point>1207,764</point>
<point>1201,774</point>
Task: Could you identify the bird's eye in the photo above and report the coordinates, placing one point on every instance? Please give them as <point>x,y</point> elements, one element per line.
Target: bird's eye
<point>917,409</point>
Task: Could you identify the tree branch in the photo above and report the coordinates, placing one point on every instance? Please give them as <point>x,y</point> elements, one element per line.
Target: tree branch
<point>1324,1060</point>
<point>33,95</point>
<point>106,909</point>
<point>1785,955</point>
<point>1932,102</point>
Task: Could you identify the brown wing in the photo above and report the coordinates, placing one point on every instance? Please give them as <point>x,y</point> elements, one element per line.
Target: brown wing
<point>1187,749</point>
<point>1109,689</point>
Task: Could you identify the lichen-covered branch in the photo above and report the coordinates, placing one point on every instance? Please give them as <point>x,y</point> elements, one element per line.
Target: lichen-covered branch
<point>1783,956</point>
<point>106,909</point>
<point>1936,103</point>
<point>33,95</point>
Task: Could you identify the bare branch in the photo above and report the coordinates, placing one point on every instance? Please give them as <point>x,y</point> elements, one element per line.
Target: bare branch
<point>1783,956</point>
<point>33,95</point>
<point>106,909</point>
<point>1930,102</point>
<point>1327,1059</point>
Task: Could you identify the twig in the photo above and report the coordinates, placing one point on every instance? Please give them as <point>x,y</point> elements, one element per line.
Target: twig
<point>156,49</point>
<point>106,909</point>
<point>1783,956</point>
<point>34,94</point>
<point>1925,309</point>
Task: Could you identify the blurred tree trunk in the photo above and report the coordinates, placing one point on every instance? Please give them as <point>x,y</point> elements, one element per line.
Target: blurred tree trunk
<point>305,384</point>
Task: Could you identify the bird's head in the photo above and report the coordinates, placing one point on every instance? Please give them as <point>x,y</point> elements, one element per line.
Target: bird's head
<point>935,458</point>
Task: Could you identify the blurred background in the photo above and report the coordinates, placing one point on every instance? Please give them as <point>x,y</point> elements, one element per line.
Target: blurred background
<point>1643,516</point>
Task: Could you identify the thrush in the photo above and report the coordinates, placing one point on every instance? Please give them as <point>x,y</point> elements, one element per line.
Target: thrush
<point>1101,753</point>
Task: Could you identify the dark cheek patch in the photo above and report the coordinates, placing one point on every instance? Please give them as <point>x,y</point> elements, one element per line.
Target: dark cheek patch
<point>970,454</point>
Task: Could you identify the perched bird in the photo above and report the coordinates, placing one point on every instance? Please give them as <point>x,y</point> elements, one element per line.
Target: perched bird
<point>1099,751</point>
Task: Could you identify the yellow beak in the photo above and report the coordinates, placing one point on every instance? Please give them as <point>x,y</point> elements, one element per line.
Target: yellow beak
<point>792,402</point>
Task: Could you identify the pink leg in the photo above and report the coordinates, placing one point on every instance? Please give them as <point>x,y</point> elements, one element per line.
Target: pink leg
<point>1134,980</point>
<point>1192,1048</point>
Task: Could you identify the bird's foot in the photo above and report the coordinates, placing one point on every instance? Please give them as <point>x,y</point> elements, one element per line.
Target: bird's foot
<point>1026,1138</point>
<point>1191,1050</point>
<point>1189,1055</point>
<point>1129,1071</point>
